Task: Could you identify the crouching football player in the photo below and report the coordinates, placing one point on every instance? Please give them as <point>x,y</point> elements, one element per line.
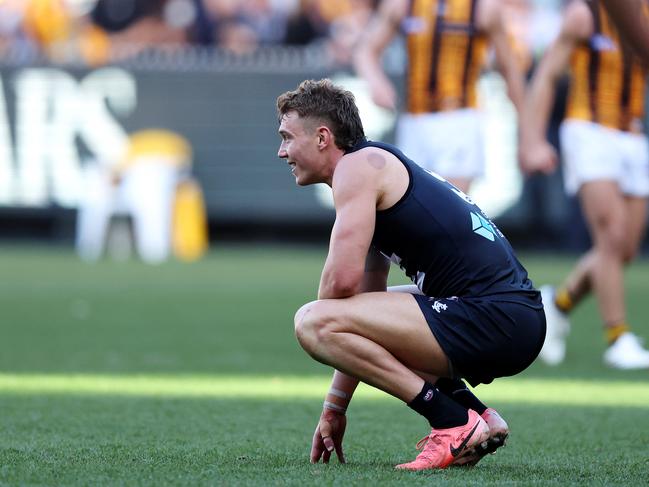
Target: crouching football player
<point>473,314</point>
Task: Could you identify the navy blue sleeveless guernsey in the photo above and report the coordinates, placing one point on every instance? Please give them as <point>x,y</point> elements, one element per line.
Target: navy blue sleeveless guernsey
<point>445,243</point>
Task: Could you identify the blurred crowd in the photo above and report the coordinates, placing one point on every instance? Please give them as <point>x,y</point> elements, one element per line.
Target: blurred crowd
<point>96,32</point>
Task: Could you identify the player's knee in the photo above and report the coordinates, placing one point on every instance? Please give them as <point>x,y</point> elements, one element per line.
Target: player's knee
<point>630,253</point>
<point>298,321</point>
<point>305,323</point>
<point>312,325</point>
<point>612,239</point>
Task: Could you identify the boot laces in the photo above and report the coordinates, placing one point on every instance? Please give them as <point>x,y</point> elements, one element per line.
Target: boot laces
<point>428,444</point>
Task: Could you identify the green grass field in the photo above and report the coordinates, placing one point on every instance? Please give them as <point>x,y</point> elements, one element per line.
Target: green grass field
<point>120,373</point>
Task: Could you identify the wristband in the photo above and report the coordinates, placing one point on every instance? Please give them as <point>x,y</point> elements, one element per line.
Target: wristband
<point>338,393</point>
<point>334,407</point>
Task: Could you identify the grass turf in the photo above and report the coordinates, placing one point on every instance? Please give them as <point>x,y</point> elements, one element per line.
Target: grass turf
<point>120,373</point>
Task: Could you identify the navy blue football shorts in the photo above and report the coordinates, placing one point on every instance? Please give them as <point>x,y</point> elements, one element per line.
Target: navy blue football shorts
<point>488,336</point>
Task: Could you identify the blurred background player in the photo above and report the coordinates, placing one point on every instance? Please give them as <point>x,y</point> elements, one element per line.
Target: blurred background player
<point>447,43</point>
<point>606,162</point>
<point>632,21</point>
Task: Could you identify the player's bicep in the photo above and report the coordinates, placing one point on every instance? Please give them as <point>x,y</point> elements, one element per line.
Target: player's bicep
<point>355,203</point>
<point>353,229</point>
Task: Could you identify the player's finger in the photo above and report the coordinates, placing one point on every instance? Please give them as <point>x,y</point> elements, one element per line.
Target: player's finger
<point>326,455</point>
<point>328,443</point>
<point>316,453</point>
<point>325,432</point>
<point>317,447</point>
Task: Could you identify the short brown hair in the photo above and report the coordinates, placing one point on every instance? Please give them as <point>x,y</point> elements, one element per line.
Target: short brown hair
<point>325,102</point>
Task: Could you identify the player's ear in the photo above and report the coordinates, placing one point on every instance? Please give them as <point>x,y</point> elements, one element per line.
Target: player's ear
<point>325,137</point>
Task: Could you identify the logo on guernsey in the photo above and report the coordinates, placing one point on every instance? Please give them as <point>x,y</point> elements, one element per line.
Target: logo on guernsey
<point>439,306</point>
<point>482,227</point>
<point>429,395</point>
<point>413,25</point>
<point>601,42</point>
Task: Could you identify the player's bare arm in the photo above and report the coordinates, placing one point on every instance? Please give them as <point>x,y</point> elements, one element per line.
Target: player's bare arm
<point>631,18</point>
<point>367,60</point>
<point>535,152</point>
<point>490,19</point>
<point>355,188</point>
<point>351,267</point>
<point>329,433</point>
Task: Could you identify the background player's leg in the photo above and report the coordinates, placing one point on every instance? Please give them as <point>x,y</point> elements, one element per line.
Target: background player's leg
<point>601,268</point>
<point>617,225</point>
<point>604,209</point>
<point>625,350</point>
<point>636,211</point>
<point>579,282</point>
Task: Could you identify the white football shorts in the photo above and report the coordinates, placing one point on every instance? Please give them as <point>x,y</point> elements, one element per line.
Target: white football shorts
<point>592,152</point>
<point>448,143</point>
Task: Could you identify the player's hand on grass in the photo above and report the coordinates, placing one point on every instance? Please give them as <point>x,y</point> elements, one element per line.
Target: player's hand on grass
<point>328,437</point>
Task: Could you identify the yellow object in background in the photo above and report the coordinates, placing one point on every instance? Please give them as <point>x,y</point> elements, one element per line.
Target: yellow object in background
<point>189,238</point>
<point>64,36</point>
<point>48,20</point>
<point>160,142</point>
<point>171,147</point>
<point>94,45</point>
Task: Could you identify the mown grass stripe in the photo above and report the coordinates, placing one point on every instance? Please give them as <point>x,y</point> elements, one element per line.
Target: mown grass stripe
<point>510,390</point>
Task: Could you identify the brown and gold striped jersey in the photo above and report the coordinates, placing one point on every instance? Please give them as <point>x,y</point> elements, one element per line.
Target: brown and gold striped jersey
<point>445,55</point>
<point>607,80</point>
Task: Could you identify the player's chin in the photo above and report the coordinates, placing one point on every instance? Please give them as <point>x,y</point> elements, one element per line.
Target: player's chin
<point>305,178</point>
<point>300,180</point>
<point>305,183</point>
